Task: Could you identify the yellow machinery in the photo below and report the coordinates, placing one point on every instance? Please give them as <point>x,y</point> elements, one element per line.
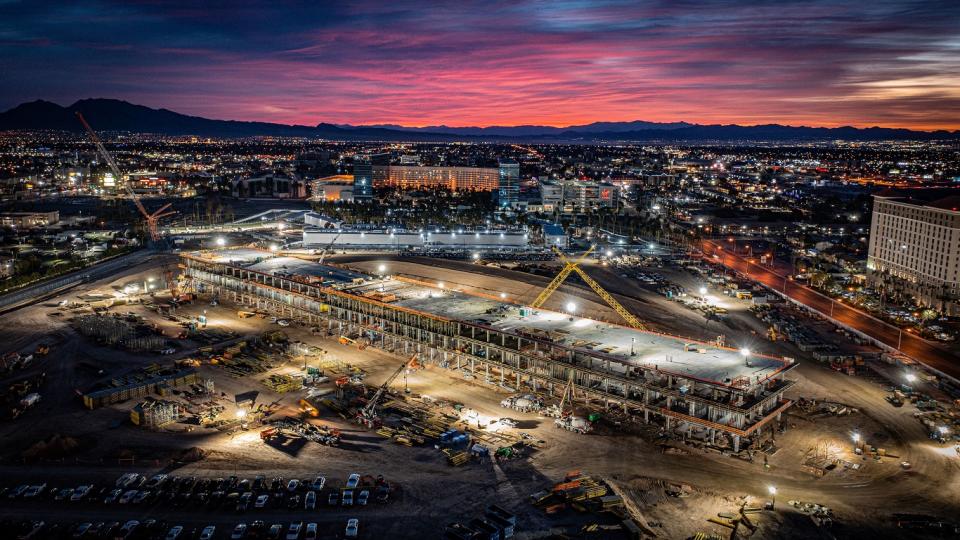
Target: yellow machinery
<point>574,266</point>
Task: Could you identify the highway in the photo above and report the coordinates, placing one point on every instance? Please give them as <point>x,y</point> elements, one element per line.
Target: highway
<point>926,352</point>
<point>46,289</point>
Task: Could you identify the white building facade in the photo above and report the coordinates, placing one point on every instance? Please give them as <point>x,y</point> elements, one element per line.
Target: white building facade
<point>915,248</point>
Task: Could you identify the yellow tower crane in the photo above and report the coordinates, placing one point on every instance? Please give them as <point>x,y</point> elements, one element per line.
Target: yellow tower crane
<point>574,266</point>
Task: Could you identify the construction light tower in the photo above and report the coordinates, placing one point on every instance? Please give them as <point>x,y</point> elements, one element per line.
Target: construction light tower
<point>152,219</point>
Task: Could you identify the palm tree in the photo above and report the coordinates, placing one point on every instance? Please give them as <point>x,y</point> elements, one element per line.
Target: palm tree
<point>927,315</point>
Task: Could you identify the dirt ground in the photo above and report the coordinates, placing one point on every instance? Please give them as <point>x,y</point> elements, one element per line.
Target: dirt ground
<point>431,492</point>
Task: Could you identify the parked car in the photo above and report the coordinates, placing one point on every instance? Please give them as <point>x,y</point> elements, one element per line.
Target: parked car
<point>353,481</point>
<point>363,498</point>
<point>113,496</point>
<point>239,531</point>
<point>82,529</point>
<point>34,491</point>
<point>208,532</point>
<point>310,500</point>
<point>348,498</point>
<point>318,483</point>
<point>353,528</point>
<point>311,532</point>
<point>174,532</point>
<point>128,529</point>
<point>80,492</point>
<point>275,531</point>
<point>333,498</point>
<point>293,485</point>
<point>128,496</point>
<point>293,531</point>
<point>262,501</point>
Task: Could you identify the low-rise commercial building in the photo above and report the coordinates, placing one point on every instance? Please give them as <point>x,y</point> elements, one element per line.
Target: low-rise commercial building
<point>29,220</point>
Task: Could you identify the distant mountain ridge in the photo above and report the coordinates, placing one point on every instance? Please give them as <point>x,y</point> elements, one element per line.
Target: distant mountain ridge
<point>117,115</point>
<point>533,130</point>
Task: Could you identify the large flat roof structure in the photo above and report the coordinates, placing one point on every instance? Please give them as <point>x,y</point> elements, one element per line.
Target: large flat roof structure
<point>702,361</point>
<point>688,385</point>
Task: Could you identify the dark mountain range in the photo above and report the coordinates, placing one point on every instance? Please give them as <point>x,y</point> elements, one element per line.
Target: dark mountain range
<point>534,131</point>
<point>116,115</point>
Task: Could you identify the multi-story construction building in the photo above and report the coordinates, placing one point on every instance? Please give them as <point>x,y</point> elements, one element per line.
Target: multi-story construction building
<point>704,391</point>
<point>915,249</point>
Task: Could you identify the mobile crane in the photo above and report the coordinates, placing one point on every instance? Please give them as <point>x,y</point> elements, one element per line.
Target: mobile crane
<point>368,416</point>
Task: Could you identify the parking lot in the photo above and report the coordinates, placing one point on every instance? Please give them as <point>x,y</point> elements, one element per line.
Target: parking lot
<point>235,507</point>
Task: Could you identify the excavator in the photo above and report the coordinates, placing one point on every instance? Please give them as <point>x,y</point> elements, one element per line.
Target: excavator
<point>368,416</point>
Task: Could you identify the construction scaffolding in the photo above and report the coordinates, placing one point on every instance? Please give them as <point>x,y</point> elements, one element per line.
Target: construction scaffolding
<point>616,368</point>
<point>154,414</point>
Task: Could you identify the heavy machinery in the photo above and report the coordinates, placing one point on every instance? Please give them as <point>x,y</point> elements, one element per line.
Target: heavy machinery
<point>564,412</point>
<point>323,253</point>
<point>152,219</point>
<point>574,266</point>
<point>368,416</point>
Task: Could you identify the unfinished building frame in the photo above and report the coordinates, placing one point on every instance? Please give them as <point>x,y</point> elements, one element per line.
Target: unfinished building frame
<point>731,411</point>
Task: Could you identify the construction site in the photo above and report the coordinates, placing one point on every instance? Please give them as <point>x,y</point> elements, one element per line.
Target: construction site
<point>709,392</point>
<point>464,401</point>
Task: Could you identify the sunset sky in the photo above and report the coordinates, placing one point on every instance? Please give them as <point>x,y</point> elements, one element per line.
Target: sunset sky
<point>823,63</point>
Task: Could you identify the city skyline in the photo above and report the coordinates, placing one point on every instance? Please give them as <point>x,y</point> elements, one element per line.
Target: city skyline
<point>889,64</point>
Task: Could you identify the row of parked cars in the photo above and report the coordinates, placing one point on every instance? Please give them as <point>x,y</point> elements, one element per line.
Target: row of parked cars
<point>229,493</point>
<point>152,529</point>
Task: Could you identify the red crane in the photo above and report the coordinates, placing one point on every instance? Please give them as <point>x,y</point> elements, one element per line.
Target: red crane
<point>152,219</point>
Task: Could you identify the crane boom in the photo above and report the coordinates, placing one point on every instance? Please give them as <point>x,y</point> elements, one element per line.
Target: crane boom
<point>561,277</point>
<point>323,253</point>
<point>370,410</point>
<point>151,219</point>
<point>574,266</point>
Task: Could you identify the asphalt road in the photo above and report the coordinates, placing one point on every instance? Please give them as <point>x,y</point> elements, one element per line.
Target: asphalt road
<point>52,287</point>
<point>931,354</point>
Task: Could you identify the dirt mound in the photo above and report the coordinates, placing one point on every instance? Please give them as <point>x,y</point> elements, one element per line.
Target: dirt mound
<point>191,455</point>
<point>53,447</point>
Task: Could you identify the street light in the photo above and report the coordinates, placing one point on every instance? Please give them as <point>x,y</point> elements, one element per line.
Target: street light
<point>476,256</point>
<point>382,268</point>
<point>703,291</point>
<point>273,247</point>
<point>221,241</point>
<point>911,377</point>
<point>503,295</point>
<point>773,494</point>
<point>745,352</point>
